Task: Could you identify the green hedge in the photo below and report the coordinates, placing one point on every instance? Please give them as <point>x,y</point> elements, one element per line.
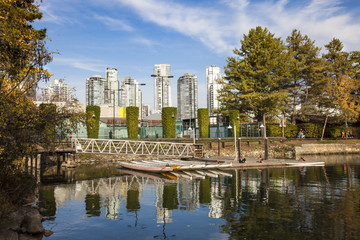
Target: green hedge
<point>132,121</point>
<point>311,130</point>
<point>233,120</point>
<point>203,118</point>
<point>168,117</point>
<point>92,121</point>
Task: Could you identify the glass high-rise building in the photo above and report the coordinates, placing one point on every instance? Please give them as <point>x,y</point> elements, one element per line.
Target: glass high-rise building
<point>131,95</point>
<point>112,87</point>
<point>213,74</point>
<point>187,96</point>
<point>57,91</point>
<point>162,90</point>
<point>95,90</point>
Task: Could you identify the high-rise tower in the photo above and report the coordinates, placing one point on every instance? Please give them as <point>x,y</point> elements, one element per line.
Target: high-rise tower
<point>112,87</point>
<point>187,96</point>
<point>131,95</point>
<point>57,91</point>
<point>213,74</point>
<point>162,86</point>
<point>95,90</point>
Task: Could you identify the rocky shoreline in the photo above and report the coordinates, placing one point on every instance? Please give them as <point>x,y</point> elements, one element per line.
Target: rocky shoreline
<point>24,224</point>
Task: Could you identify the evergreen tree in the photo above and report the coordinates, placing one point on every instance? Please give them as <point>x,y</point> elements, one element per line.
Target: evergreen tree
<point>256,79</point>
<point>306,70</point>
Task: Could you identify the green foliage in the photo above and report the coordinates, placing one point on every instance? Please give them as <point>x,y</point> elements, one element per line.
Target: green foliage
<point>47,122</point>
<point>273,130</point>
<point>234,117</point>
<point>311,130</point>
<point>168,117</point>
<point>132,121</point>
<point>291,131</point>
<point>23,54</point>
<point>203,121</point>
<point>255,81</point>
<point>333,132</point>
<point>92,121</point>
<point>306,69</point>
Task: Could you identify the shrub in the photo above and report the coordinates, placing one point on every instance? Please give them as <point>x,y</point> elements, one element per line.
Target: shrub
<point>203,118</point>
<point>168,117</point>
<point>132,121</point>
<point>92,121</point>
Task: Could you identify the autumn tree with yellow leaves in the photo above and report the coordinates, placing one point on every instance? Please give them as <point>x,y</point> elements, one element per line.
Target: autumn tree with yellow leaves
<point>23,125</point>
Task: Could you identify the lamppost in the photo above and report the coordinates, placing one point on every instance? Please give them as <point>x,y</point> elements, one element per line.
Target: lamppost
<point>266,153</point>
<point>229,127</point>
<point>162,86</point>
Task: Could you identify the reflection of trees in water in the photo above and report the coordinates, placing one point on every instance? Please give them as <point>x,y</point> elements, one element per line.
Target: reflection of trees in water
<point>323,204</point>
<point>92,205</point>
<point>265,203</point>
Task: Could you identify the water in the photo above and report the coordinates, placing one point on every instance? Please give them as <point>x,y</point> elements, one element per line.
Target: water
<point>276,203</point>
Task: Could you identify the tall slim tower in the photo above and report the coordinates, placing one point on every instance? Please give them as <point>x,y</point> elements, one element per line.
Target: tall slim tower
<point>213,73</point>
<point>187,96</point>
<point>131,95</point>
<point>95,90</point>
<point>112,87</point>
<point>162,86</point>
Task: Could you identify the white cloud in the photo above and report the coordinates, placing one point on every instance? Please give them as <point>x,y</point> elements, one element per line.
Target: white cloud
<point>221,28</point>
<point>145,41</point>
<point>114,24</point>
<point>84,64</point>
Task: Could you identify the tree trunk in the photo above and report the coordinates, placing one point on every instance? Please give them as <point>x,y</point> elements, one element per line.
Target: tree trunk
<point>264,121</point>
<point>283,127</point>
<point>293,120</point>
<point>323,131</point>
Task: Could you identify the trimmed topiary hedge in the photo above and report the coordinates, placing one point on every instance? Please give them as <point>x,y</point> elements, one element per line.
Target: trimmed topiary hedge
<point>203,118</point>
<point>168,117</point>
<point>234,116</point>
<point>92,121</point>
<point>132,121</point>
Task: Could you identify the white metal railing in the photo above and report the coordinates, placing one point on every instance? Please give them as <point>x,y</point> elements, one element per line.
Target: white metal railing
<point>112,146</point>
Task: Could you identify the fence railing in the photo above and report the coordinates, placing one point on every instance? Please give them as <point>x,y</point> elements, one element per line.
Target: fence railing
<point>112,146</point>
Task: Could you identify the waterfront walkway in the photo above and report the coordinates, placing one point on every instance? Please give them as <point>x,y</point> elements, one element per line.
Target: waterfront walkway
<point>252,162</point>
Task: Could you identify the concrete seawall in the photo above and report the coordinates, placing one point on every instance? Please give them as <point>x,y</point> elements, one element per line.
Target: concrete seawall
<point>311,149</point>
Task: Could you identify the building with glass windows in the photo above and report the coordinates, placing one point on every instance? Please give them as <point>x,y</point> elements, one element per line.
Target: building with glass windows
<point>95,90</point>
<point>57,91</point>
<point>162,89</point>
<point>187,97</point>
<point>213,74</point>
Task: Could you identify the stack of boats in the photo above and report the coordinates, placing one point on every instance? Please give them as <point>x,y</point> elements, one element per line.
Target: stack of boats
<point>174,169</point>
<point>171,165</point>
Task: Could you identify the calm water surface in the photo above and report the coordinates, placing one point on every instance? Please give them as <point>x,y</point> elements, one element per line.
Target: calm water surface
<point>275,203</point>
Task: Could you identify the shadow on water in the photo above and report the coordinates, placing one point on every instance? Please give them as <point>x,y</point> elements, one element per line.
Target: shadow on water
<point>96,202</point>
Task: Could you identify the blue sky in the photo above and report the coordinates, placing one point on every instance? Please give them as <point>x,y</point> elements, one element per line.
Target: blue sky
<point>133,35</point>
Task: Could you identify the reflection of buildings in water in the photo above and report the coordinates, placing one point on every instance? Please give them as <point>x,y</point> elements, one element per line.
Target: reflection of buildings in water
<point>163,215</point>
<point>109,190</point>
<point>189,194</point>
<point>112,208</point>
<point>217,192</point>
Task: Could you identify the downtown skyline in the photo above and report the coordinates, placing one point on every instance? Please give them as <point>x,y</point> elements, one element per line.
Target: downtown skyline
<point>133,36</point>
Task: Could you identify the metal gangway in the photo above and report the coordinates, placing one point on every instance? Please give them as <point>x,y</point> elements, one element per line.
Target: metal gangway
<point>114,146</point>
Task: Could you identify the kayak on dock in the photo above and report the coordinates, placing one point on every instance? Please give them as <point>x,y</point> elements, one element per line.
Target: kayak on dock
<point>148,167</point>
